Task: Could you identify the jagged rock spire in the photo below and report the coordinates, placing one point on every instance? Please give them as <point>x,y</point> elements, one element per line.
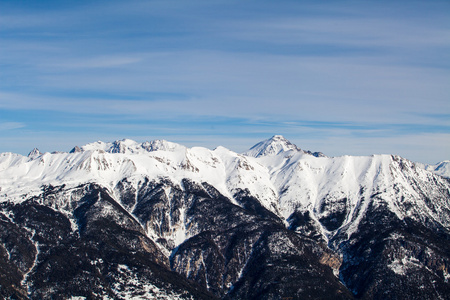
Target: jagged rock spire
<point>34,153</point>
<point>76,149</point>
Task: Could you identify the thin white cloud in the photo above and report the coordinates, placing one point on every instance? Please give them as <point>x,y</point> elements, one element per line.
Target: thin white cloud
<point>357,31</point>
<point>96,62</point>
<point>4,126</point>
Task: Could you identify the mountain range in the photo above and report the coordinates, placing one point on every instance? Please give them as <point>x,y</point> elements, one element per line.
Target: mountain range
<point>158,220</point>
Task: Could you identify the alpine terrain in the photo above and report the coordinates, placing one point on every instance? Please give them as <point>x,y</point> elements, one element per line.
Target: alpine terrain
<point>158,220</point>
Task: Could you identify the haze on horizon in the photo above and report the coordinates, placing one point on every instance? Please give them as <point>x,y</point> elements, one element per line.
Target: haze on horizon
<point>340,77</point>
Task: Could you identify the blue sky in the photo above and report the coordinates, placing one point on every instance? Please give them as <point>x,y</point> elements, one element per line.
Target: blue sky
<point>341,77</point>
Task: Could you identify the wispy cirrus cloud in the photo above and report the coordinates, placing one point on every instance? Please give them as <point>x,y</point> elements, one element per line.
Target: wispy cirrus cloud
<point>95,62</point>
<point>4,126</point>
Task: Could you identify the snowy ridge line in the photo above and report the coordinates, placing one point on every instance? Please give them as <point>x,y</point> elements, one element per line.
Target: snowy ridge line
<point>336,191</point>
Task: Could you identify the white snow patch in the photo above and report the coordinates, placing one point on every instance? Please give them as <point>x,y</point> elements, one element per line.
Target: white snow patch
<point>401,266</point>
<point>127,285</point>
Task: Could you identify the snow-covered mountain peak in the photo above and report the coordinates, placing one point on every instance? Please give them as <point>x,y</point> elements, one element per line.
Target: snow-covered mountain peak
<point>127,146</point>
<point>99,145</point>
<point>34,153</point>
<point>162,145</point>
<point>123,146</point>
<point>272,146</point>
<point>443,165</point>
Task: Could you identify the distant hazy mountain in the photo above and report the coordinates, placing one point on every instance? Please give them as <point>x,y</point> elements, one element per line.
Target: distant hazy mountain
<point>442,168</point>
<point>128,220</point>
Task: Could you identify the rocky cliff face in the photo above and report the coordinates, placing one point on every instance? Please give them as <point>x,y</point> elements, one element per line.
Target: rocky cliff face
<point>125,220</point>
<point>97,250</point>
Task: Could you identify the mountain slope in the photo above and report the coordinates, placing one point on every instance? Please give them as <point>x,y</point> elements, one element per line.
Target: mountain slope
<point>277,221</point>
